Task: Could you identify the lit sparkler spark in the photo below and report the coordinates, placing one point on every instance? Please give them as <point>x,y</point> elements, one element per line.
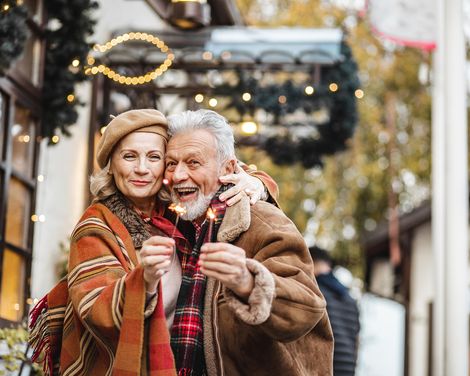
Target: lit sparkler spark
<point>179,210</point>
<point>211,216</point>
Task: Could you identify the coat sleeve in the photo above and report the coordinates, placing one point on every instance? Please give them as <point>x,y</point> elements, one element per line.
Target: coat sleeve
<point>291,304</point>
<point>102,288</point>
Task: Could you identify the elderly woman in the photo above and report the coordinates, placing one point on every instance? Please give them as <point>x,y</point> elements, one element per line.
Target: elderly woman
<point>113,312</point>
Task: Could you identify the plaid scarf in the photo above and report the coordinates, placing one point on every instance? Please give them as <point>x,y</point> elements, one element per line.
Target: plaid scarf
<point>187,331</point>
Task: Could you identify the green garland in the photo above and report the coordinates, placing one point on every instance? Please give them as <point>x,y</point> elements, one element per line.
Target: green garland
<point>64,44</point>
<point>13,33</point>
<point>327,138</point>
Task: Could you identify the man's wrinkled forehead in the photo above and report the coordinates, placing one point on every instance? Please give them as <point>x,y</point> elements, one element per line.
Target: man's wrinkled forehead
<point>198,143</point>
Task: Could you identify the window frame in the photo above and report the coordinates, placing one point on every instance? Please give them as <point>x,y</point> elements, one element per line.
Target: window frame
<point>17,90</point>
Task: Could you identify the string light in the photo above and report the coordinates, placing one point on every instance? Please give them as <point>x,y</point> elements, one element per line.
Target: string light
<point>359,94</point>
<point>309,90</point>
<point>207,55</point>
<point>131,80</point>
<point>40,178</point>
<point>55,139</point>
<point>212,102</point>
<point>6,7</point>
<point>249,127</point>
<point>226,55</point>
<point>70,98</point>
<point>246,97</point>
<point>40,218</point>
<point>75,63</point>
<point>23,138</point>
<point>199,98</point>
<point>282,99</point>
<point>333,87</point>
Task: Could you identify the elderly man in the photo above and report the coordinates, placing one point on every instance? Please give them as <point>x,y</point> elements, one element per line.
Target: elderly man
<point>251,302</point>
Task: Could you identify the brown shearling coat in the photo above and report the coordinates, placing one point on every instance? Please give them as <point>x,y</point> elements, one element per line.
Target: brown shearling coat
<point>284,329</point>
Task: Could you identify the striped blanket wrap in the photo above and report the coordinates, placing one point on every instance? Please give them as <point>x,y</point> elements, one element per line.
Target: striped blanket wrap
<point>92,323</point>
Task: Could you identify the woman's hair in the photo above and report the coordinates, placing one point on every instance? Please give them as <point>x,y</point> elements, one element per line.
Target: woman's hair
<point>208,120</point>
<point>102,184</point>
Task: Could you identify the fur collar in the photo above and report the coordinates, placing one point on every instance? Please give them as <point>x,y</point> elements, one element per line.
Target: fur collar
<point>122,208</point>
<point>236,220</point>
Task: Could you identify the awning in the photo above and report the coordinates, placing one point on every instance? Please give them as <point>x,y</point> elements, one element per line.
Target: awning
<point>230,47</point>
<point>280,45</point>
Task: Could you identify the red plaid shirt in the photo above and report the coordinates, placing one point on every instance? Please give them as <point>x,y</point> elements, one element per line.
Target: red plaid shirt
<point>187,331</point>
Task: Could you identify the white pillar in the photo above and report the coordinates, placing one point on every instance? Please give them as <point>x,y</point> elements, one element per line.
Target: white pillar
<point>450,194</point>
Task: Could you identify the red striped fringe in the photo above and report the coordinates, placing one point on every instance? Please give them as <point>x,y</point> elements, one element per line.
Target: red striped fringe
<point>39,339</point>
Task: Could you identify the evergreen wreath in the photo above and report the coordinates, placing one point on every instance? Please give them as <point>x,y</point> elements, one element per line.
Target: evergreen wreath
<point>326,138</point>
<point>13,33</point>
<point>69,26</point>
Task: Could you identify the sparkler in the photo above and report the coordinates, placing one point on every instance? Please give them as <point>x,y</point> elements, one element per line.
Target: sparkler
<point>179,210</point>
<point>211,216</point>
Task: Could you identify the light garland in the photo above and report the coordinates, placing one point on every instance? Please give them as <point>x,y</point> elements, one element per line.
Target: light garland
<point>131,80</point>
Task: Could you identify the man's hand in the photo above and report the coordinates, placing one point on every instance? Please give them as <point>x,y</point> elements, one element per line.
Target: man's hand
<point>155,256</point>
<point>227,263</point>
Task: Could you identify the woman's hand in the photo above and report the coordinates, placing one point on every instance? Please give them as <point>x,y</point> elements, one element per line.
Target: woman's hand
<point>252,186</point>
<point>156,255</point>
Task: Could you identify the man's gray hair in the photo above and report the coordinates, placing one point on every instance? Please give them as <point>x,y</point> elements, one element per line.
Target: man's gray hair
<point>210,121</point>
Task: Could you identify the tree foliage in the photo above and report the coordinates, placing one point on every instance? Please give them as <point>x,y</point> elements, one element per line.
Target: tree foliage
<point>337,110</point>
<point>350,196</point>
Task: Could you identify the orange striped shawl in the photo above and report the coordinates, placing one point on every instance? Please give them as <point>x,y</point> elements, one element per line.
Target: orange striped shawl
<point>103,316</point>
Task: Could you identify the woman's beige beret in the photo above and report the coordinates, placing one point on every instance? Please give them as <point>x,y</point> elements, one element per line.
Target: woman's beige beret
<point>146,120</point>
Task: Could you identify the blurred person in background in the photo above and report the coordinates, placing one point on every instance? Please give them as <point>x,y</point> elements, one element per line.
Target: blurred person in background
<point>342,310</point>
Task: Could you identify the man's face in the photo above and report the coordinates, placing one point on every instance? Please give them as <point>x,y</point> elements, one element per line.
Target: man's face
<point>192,170</point>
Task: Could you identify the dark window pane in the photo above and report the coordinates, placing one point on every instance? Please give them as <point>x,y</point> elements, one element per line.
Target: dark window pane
<point>22,133</point>
<point>28,63</point>
<point>12,293</point>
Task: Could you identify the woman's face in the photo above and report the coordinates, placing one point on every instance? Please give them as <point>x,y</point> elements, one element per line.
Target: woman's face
<point>137,166</point>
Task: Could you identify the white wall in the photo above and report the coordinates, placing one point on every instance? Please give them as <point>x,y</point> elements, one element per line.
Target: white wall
<point>422,293</point>
<point>61,197</point>
<point>382,337</point>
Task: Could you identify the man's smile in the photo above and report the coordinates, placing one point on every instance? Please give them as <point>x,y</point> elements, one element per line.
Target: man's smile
<point>186,193</point>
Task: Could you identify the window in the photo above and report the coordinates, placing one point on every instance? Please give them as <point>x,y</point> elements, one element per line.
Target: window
<point>17,171</point>
<point>20,100</point>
